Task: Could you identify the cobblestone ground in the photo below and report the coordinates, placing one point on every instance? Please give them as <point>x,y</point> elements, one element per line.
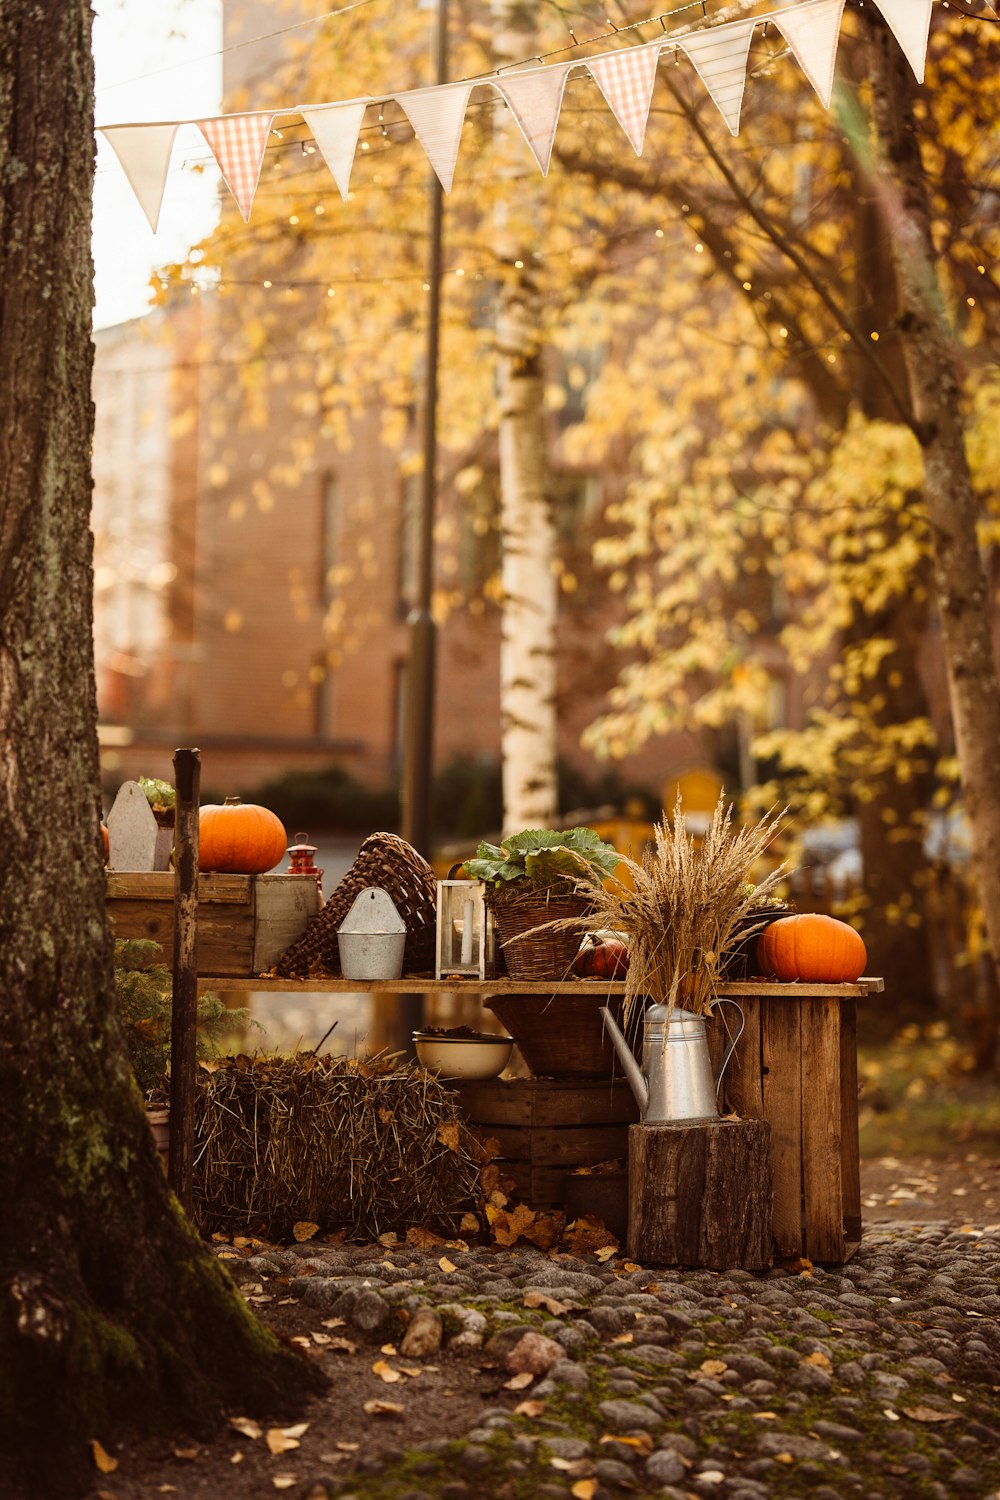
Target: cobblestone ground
<point>577,1377</point>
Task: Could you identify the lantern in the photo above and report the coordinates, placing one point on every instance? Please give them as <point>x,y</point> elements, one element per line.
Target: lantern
<point>466,940</point>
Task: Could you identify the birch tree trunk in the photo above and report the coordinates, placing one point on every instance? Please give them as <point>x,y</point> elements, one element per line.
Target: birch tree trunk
<point>528,722</point>
<point>114,1316</point>
<point>960,582</point>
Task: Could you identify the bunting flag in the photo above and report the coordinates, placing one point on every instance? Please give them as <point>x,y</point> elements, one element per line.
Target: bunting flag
<point>144,153</point>
<point>237,142</point>
<point>437,116</point>
<point>720,55</point>
<point>535,98</point>
<point>626,79</point>
<point>910,23</point>
<point>335,129</point>
<point>812,31</point>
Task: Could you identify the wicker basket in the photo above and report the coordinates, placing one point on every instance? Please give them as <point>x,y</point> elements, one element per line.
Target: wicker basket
<point>384,860</point>
<point>560,1036</point>
<point>548,954</point>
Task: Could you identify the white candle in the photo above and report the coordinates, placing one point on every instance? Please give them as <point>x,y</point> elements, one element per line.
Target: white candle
<point>467,933</point>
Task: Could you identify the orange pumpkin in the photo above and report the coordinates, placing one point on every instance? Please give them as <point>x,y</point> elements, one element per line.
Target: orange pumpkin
<point>239,838</point>
<point>812,948</point>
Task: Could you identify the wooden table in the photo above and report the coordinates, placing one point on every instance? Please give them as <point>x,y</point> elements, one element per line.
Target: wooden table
<point>795,1066</point>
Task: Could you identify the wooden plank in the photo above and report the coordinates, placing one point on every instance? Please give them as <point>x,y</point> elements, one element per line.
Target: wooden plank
<point>574,1146</point>
<point>159,886</point>
<point>743,1085</point>
<point>225,935</point>
<point>547,1101</point>
<point>821,1132</point>
<point>538,1187</point>
<point>850,1163</point>
<point>425,983</point>
<point>781,1052</point>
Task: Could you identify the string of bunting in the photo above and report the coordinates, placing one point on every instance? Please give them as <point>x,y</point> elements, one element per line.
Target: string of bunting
<point>534,95</point>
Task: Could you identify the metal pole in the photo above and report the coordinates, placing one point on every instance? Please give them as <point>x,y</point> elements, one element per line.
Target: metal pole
<point>418,740</point>
<point>184,1015</point>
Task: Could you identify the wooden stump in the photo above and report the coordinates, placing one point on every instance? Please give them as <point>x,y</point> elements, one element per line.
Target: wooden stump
<point>700,1194</point>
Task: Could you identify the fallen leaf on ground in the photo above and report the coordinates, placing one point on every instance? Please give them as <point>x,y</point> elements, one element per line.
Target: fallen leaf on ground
<point>304,1230</point>
<point>382,1408</point>
<point>642,1442</point>
<point>389,1239</point>
<point>187,1453</point>
<point>470,1224</point>
<point>237,1457</point>
<point>387,1349</point>
<point>423,1239</point>
<point>447,1133</point>
<point>284,1481</point>
<point>102,1458</point>
<point>819,1359</point>
<point>535,1298</point>
<point>530,1408</point>
<point>278,1441</point>
<point>623,1338</point>
<point>712,1367</point>
<point>334,1322</point>
<point>247,1426</point>
<point>519,1382</point>
<point>342,1346</point>
<point>385,1372</point>
<point>447,1265</point>
<point>606,1252</point>
<point>930,1414</point>
<point>509,1227</point>
<point>584,1489</point>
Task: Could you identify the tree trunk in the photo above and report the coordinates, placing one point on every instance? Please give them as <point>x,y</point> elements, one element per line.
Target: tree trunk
<point>113,1314</point>
<point>960,581</point>
<point>528,721</point>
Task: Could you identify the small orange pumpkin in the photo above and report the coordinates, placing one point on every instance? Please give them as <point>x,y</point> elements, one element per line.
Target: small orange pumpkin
<point>239,838</point>
<point>812,948</point>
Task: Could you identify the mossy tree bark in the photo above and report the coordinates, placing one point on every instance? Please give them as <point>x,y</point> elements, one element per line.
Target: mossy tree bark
<point>112,1311</point>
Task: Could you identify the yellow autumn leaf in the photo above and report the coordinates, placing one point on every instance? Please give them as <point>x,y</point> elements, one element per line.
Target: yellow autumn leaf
<point>447,1133</point>
<point>102,1458</point>
<point>284,1481</point>
<point>819,1359</point>
<point>584,1489</point>
<point>713,1367</point>
<point>623,1338</point>
<point>277,1442</point>
<point>519,1382</point>
<point>247,1426</point>
<point>446,1265</point>
<point>470,1224</point>
<point>304,1230</point>
<point>378,1408</point>
<point>606,1252</point>
<point>530,1408</point>
<point>385,1372</point>
<point>387,1349</point>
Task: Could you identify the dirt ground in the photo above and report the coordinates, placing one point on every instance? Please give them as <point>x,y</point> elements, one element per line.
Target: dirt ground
<point>442,1397</point>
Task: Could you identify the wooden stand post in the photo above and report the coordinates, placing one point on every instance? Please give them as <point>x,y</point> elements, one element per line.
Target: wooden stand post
<point>700,1194</point>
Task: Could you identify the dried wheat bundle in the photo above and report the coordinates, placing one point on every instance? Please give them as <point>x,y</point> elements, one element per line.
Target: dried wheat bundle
<point>364,1147</point>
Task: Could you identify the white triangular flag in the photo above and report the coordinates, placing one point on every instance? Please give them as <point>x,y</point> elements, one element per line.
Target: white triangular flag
<point>335,129</point>
<point>238,143</point>
<point>535,98</point>
<point>720,55</point>
<point>910,23</point>
<point>437,116</point>
<point>812,31</point>
<point>144,152</point>
<point>626,79</point>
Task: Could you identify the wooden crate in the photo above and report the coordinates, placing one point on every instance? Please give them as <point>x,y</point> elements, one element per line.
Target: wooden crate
<point>244,921</point>
<point>796,1067</point>
<point>548,1126</point>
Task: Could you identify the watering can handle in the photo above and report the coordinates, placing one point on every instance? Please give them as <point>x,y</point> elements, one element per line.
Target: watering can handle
<point>731,1048</point>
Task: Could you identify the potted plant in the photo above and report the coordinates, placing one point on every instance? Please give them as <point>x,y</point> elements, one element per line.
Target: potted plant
<point>535,878</point>
<point>540,885</point>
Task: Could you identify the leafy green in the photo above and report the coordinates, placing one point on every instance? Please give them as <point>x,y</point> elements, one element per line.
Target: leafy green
<point>544,856</point>
<point>159,794</point>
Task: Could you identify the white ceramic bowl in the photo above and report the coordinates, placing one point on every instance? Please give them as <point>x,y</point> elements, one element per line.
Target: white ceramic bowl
<point>460,1057</point>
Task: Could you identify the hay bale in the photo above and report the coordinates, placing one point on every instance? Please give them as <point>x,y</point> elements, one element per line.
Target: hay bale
<point>359,1146</point>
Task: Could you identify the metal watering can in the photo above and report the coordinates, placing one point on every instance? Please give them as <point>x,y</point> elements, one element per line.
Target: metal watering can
<point>675,1081</point>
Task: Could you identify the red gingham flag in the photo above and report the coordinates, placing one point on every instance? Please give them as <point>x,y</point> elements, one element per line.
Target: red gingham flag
<point>626,78</point>
<point>237,142</point>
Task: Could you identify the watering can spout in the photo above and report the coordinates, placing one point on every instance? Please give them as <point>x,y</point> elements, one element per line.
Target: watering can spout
<point>630,1067</point>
